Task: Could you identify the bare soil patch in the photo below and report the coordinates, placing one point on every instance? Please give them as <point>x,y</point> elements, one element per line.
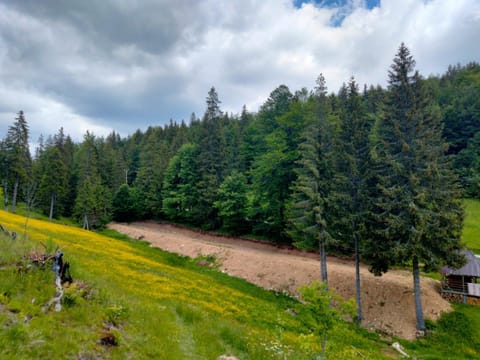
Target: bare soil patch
<point>388,301</point>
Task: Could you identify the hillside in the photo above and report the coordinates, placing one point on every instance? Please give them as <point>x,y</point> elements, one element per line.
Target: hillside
<point>132,301</point>
<point>388,300</point>
<point>471,228</point>
<point>164,307</point>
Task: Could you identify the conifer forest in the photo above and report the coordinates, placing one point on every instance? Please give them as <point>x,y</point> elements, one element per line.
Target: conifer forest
<point>366,171</point>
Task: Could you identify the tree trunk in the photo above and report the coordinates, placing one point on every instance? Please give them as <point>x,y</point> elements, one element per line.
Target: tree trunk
<point>324,347</point>
<point>323,262</point>
<point>85,222</point>
<point>5,194</point>
<point>52,204</point>
<point>14,196</point>
<point>357,281</point>
<point>418,296</point>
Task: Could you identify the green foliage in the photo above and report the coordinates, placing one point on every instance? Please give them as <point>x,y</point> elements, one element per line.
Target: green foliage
<point>459,94</point>
<point>459,324</point>
<point>180,190</point>
<point>16,160</point>
<point>232,202</point>
<point>92,205</point>
<point>322,311</point>
<point>93,201</point>
<point>416,200</point>
<point>454,336</point>
<point>52,172</point>
<point>123,205</point>
<point>467,164</point>
<point>154,158</point>
<point>416,212</point>
<point>272,174</point>
<point>116,314</point>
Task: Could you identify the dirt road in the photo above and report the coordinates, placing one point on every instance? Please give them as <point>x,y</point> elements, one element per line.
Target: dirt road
<point>388,301</point>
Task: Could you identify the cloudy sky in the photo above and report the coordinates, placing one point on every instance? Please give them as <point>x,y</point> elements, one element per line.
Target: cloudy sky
<point>127,64</point>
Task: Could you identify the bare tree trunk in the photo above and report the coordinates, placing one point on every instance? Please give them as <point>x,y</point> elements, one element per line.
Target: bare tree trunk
<point>418,296</point>
<point>14,196</point>
<point>52,204</point>
<point>5,194</point>
<point>324,347</point>
<point>30,191</point>
<point>357,281</point>
<point>85,222</point>
<point>323,262</point>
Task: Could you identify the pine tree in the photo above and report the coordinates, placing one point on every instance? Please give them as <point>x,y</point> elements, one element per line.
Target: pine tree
<point>417,214</point>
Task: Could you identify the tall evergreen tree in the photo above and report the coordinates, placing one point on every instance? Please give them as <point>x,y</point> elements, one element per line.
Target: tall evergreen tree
<point>154,159</point>
<point>92,204</point>
<point>19,161</point>
<point>211,157</point>
<point>417,212</point>
<point>53,181</point>
<point>350,179</point>
<point>308,208</point>
<point>180,193</point>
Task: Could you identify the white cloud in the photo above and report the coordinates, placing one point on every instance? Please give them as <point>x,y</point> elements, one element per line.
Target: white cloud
<point>124,65</point>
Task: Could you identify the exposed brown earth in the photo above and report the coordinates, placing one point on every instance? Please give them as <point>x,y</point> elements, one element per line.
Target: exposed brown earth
<point>388,301</point>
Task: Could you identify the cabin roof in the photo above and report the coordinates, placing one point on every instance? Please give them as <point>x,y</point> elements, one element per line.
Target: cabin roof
<point>471,268</point>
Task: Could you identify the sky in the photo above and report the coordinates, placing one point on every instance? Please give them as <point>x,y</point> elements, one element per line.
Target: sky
<point>125,65</point>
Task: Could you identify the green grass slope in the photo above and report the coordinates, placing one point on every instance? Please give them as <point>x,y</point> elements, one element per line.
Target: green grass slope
<point>132,301</point>
<point>471,229</point>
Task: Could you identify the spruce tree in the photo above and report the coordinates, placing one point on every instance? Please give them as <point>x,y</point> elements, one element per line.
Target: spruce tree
<point>351,155</point>
<point>417,215</point>
<point>53,181</point>
<point>180,187</point>
<point>211,157</point>
<point>19,161</point>
<point>93,201</point>
<point>308,208</point>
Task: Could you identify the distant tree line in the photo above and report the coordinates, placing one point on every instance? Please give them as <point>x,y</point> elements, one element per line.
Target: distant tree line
<point>371,172</point>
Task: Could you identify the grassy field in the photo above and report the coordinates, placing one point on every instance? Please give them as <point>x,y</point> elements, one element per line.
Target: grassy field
<point>131,301</point>
<point>154,304</point>
<point>471,229</point>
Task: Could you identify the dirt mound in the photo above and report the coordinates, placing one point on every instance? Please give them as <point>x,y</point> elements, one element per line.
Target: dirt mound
<point>388,301</point>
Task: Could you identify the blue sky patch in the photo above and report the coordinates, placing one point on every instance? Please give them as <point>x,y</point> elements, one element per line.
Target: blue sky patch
<point>343,7</point>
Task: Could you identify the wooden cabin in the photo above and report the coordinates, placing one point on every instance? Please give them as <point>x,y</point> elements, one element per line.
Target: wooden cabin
<point>461,285</point>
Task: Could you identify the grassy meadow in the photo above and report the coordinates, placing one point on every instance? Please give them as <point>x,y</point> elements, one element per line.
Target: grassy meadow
<point>471,229</point>
<point>154,304</point>
<point>131,301</point>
